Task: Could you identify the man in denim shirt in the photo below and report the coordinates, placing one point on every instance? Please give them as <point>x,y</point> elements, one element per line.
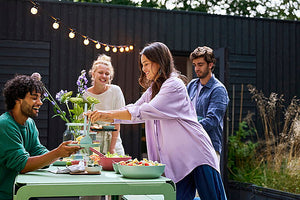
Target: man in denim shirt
<point>208,95</point>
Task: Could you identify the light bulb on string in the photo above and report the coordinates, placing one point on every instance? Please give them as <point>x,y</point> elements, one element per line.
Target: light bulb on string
<point>86,41</point>
<point>34,10</point>
<point>107,48</point>
<point>72,34</point>
<point>55,25</point>
<point>98,46</point>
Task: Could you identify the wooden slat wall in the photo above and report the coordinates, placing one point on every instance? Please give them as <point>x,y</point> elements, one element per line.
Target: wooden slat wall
<point>261,51</point>
<point>242,72</point>
<point>21,57</point>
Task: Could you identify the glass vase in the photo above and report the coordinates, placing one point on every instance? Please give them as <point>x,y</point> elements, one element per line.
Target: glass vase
<point>72,131</point>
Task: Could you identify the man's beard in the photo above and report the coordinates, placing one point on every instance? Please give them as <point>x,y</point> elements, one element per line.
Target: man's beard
<point>203,74</point>
<point>27,110</point>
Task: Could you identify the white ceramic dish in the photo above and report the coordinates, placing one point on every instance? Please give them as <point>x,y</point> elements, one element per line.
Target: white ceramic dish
<point>93,169</point>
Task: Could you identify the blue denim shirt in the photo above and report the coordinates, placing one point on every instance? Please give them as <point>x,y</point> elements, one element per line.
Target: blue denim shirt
<point>211,106</point>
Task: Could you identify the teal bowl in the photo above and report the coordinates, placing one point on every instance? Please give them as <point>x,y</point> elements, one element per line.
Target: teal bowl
<point>141,171</point>
<point>116,168</point>
<point>108,127</point>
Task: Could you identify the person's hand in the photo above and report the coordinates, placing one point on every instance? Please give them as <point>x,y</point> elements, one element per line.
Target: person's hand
<point>112,150</point>
<point>65,151</point>
<point>98,115</point>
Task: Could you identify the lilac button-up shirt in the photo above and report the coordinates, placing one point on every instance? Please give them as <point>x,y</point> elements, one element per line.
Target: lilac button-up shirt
<point>174,136</point>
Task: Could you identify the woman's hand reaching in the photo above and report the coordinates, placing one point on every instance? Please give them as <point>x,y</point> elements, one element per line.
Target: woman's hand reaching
<point>108,116</point>
<point>98,115</point>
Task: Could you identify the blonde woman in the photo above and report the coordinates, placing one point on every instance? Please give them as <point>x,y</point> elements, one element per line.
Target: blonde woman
<point>110,97</point>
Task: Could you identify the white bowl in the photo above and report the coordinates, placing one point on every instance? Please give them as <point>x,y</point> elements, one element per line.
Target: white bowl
<point>94,169</point>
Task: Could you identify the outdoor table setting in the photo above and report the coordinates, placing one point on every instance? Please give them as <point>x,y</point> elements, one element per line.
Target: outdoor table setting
<point>43,183</point>
<point>91,173</point>
<point>95,174</point>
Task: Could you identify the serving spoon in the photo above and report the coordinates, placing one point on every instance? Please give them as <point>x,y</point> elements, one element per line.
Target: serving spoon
<point>87,139</point>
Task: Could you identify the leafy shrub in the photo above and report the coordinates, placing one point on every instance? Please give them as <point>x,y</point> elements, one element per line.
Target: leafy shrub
<point>274,160</point>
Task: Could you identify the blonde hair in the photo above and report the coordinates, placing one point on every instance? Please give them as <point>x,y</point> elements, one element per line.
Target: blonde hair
<point>102,60</point>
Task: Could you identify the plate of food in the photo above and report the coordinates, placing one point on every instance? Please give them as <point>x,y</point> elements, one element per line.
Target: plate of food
<point>66,162</point>
<point>106,127</point>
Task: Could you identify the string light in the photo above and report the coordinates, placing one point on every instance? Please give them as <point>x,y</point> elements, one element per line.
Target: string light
<point>98,46</point>
<point>107,48</point>
<point>72,34</point>
<point>57,23</point>
<point>34,10</point>
<point>86,41</point>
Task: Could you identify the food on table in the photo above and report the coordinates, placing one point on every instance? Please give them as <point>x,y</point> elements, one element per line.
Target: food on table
<point>69,162</point>
<point>78,139</point>
<point>115,155</point>
<point>141,169</point>
<point>72,162</point>
<point>95,158</point>
<point>96,126</point>
<point>143,162</point>
<point>108,160</point>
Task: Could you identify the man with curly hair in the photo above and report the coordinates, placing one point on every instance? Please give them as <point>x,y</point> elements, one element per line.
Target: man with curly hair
<point>209,96</point>
<point>20,148</point>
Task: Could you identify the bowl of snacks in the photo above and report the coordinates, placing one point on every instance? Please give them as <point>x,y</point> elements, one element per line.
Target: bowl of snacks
<point>93,169</point>
<point>141,169</point>
<point>107,161</point>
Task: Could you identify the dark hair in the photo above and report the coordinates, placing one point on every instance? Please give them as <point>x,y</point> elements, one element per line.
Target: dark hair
<point>159,53</point>
<point>205,52</point>
<point>18,87</point>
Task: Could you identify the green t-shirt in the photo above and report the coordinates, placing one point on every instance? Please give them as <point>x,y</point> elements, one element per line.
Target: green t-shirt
<point>17,143</point>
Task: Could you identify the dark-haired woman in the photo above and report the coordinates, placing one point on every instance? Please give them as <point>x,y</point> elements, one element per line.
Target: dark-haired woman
<point>174,136</point>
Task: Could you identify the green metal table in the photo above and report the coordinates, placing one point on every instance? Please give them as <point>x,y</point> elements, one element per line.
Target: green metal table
<point>42,183</point>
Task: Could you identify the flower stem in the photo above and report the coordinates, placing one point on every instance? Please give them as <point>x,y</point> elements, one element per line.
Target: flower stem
<point>56,105</point>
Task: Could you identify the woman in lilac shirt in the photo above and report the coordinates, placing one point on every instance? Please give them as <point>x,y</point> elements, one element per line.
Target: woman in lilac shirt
<point>174,136</point>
